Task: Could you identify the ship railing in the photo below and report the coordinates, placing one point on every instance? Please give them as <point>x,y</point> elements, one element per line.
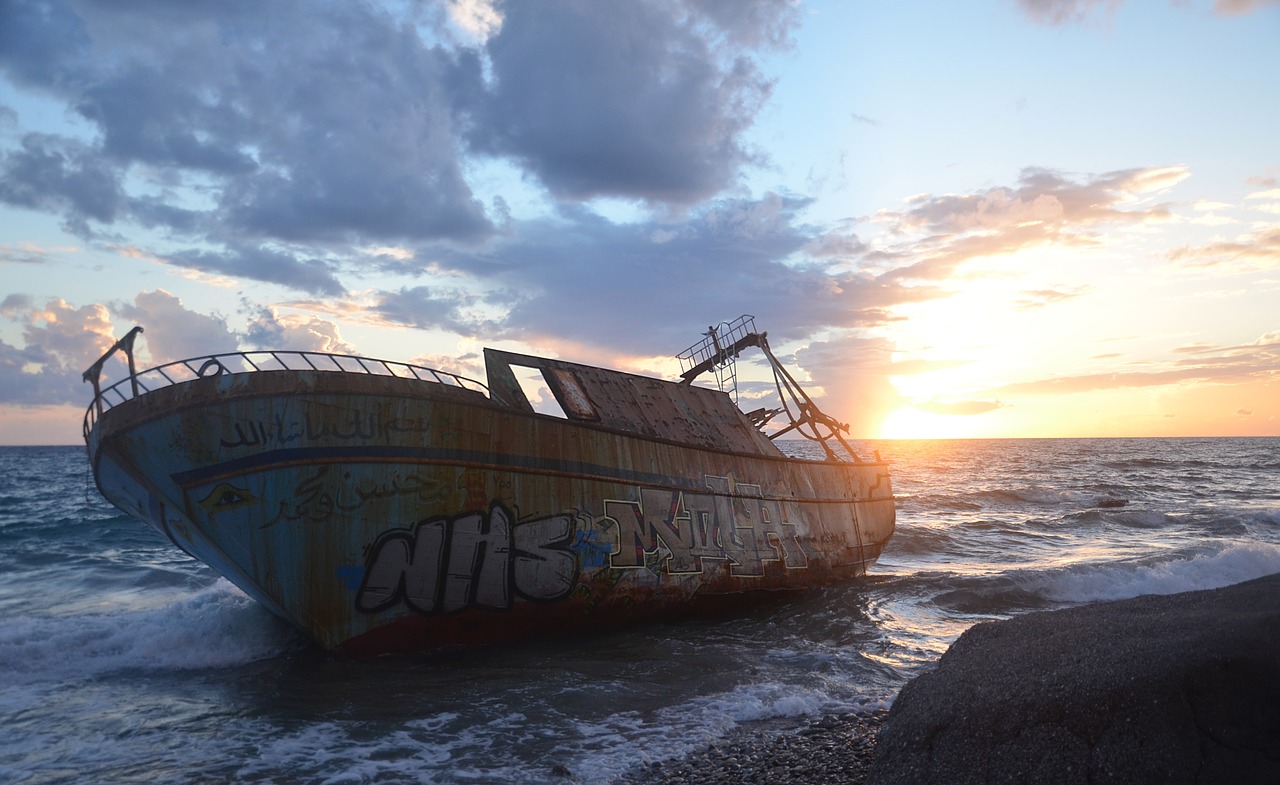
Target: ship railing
<point>139,383</point>
<point>720,345</point>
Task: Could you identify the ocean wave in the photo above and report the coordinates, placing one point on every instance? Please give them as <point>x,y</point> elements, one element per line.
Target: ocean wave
<point>216,627</point>
<point>1159,463</point>
<point>1233,564</point>
<point>921,540</point>
<point>933,502</point>
<point>1024,589</point>
<point>1141,519</point>
<point>1122,516</point>
<point>1029,495</point>
<point>1265,517</point>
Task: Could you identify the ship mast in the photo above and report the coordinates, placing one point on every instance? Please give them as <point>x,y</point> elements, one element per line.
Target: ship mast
<point>718,351</point>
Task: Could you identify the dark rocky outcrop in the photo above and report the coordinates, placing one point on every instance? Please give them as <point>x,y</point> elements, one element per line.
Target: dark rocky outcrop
<point>1181,688</point>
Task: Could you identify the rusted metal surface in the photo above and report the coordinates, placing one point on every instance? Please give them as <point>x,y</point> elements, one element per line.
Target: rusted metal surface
<point>385,514</point>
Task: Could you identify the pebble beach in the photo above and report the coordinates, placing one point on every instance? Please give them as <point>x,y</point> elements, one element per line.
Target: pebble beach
<point>833,750</point>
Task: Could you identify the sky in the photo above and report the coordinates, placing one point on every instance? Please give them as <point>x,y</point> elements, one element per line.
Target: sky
<point>998,218</point>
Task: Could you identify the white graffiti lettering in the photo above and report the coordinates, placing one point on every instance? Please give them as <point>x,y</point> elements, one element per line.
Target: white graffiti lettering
<point>734,522</point>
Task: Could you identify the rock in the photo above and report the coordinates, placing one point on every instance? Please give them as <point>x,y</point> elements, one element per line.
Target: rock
<point>1169,689</point>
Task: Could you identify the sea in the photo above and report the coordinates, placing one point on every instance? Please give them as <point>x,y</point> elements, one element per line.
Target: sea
<point>123,660</point>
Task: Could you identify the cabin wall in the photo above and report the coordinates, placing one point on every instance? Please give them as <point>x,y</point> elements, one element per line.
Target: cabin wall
<point>639,405</point>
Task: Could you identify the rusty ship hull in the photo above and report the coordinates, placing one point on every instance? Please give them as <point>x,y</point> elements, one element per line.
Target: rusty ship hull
<point>382,514</point>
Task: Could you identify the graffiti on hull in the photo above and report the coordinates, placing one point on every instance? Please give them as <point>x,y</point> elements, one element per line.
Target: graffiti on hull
<point>733,522</point>
<point>489,559</point>
<point>474,560</point>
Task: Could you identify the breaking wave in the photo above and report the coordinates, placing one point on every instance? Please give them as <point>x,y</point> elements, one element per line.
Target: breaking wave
<point>215,627</point>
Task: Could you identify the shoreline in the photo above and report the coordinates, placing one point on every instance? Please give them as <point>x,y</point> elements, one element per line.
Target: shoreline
<point>836,749</point>
<point>1157,688</point>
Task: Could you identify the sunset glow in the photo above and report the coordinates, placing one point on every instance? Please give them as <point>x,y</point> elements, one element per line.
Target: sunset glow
<point>944,246</point>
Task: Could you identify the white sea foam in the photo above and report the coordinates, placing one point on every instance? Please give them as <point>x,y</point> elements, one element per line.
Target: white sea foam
<point>214,627</point>
<point>337,752</point>
<point>622,741</point>
<point>1233,564</point>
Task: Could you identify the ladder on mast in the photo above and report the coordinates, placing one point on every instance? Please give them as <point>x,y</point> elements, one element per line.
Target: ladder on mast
<point>719,351</point>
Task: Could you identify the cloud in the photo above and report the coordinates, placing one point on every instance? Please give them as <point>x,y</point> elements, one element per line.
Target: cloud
<point>919,366</point>
<point>1258,250</point>
<point>478,18</point>
<point>1040,298</point>
<point>579,277</point>
<point>263,264</point>
<point>272,142</point>
<point>300,122</point>
<point>60,341</point>
<point>1240,7</point>
<point>64,176</point>
<point>431,307</point>
<point>269,329</point>
<point>174,332</point>
<point>1225,365</point>
<point>1059,12</point>
<point>933,235</point>
<point>628,99</point>
<point>960,408</point>
<point>27,253</point>
<point>853,375</point>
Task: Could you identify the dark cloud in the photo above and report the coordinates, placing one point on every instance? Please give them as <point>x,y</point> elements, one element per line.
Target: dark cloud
<point>629,99</point>
<point>62,176</point>
<point>316,128</point>
<point>751,23</point>
<point>25,255</point>
<point>15,304</point>
<point>263,264</point>
<point>34,37</point>
<point>309,123</point>
<point>431,307</point>
<point>580,277</point>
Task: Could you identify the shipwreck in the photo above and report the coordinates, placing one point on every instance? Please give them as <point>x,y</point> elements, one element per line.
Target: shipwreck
<point>383,507</point>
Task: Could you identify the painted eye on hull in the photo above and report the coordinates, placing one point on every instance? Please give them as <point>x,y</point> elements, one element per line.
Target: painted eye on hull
<point>226,496</point>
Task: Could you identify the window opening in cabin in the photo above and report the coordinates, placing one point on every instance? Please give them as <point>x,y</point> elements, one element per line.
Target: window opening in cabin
<point>536,390</point>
